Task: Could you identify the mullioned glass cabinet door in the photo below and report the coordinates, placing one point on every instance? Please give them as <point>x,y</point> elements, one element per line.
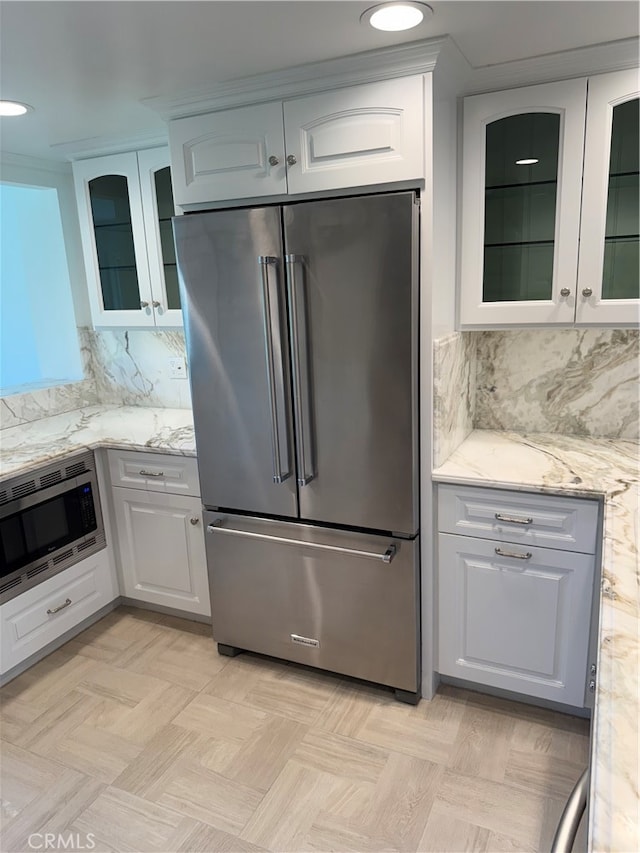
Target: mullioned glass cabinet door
<point>158,208</point>
<point>609,263</point>
<point>113,240</point>
<point>521,184</point>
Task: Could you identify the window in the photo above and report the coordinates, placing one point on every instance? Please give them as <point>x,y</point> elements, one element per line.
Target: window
<point>38,338</point>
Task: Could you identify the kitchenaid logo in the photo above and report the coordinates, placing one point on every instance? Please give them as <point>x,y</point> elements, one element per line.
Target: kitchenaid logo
<point>61,841</point>
<point>305,641</point>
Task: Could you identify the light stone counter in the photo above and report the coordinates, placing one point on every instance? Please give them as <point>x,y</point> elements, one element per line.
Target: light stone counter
<point>28,446</point>
<point>587,466</point>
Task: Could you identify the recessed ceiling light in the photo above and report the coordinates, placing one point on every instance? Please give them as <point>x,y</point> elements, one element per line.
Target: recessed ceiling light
<point>13,108</point>
<point>527,161</point>
<point>394,17</point>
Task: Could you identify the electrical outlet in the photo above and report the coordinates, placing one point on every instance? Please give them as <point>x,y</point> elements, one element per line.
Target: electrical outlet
<point>177,367</point>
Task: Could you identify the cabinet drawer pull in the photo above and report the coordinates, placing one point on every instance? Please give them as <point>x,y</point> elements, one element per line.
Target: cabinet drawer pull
<point>513,554</point>
<point>53,610</point>
<point>144,473</point>
<point>511,519</point>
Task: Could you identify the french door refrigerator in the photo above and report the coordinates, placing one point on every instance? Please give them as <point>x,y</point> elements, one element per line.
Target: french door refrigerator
<point>301,329</point>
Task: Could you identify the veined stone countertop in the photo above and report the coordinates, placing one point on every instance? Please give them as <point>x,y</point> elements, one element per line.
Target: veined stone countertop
<point>544,462</point>
<point>28,446</point>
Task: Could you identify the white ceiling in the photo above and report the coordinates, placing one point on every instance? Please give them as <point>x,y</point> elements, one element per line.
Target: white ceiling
<point>86,65</point>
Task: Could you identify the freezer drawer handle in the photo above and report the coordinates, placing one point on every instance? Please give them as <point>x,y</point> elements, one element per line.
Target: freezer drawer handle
<point>387,557</point>
<point>279,476</point>
<point>301,391</point>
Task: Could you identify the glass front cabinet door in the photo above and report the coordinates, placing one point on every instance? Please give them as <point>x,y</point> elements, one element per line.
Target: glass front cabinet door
<point>125,206</point>
<point>521,185</point>
<point>608,265</point>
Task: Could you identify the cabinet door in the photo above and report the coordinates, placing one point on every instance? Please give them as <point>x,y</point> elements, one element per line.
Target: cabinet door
<point>161,548</point>
<point>521,185</point>
<point>515,617</point>
<point>157,209</point>
<point>113,240</point>
<point>608,271</point>
<point>370,134</point>
<point>229,154</point>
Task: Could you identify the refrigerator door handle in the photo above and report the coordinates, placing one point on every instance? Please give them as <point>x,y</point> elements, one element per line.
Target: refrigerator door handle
<point>265,261</point>
<point>386,557</point>
<point>300,382</point>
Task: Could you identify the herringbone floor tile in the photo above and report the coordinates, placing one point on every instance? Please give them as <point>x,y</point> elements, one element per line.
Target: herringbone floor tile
<point>138,735</point>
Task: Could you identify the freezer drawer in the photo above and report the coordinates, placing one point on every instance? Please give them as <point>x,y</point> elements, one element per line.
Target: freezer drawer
<point>337,600</point>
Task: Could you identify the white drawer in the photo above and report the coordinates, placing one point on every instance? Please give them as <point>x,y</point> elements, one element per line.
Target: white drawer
<point>570,524</point>
<point>155,472</point>
<point>42,614</point>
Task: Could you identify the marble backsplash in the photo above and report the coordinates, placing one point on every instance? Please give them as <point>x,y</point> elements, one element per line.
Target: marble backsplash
<point>126,368</point>
<point>571,381</point>
<point>454,384</point>
<point>131,368</point>
<point>582,382</point>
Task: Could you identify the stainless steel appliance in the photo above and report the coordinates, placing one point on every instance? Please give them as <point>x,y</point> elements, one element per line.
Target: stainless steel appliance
<point>301,327</point>
<point>49,520</point>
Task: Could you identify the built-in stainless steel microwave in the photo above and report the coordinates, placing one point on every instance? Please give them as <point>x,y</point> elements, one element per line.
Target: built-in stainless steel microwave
<point>49,520</point>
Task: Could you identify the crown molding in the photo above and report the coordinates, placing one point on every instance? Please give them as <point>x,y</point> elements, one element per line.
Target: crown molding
<point>581,62</point>
<point>367,67</point>
<point>26,161</point>
<point>100,146</point>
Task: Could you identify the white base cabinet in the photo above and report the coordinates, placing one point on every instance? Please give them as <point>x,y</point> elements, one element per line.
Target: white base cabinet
<point>515,619</point>
<point>45,612</point>
<point>511,614</point>
<point>158,518</point>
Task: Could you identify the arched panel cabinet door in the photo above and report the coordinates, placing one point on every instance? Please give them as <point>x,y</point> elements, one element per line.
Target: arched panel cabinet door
<point>158,208</point>
<point>521,188</point>
<point>230,154</point>
<point>608,268</point>
<point>356,136</point>
<point>113,240</point>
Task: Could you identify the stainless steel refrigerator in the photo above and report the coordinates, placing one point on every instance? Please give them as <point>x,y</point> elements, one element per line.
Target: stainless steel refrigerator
<point>301,325</point>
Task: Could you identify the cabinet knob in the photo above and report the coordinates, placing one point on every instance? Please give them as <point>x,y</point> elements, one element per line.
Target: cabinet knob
<point>273,160</point>
<point>144,304</point>
<point>587,292</point>
<point>156,304</point>
<point>565,292</point>
<point>194,521</point>
<point>291,160</point>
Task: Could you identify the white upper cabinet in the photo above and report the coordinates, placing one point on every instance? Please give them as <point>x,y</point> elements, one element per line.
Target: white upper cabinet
<point>125,206</point>
<point>370,134</point>
<point>229,154</point>
<point>608,265</point>
<point>354,136</point>
<point>549,208</point>
<point>521,179</point>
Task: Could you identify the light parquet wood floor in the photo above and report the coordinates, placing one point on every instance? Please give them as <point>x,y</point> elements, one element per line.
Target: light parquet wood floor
<point>140,734</point>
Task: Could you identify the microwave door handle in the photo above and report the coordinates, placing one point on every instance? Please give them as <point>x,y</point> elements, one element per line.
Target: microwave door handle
<point>265,261</point>
<point>300,380</point>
